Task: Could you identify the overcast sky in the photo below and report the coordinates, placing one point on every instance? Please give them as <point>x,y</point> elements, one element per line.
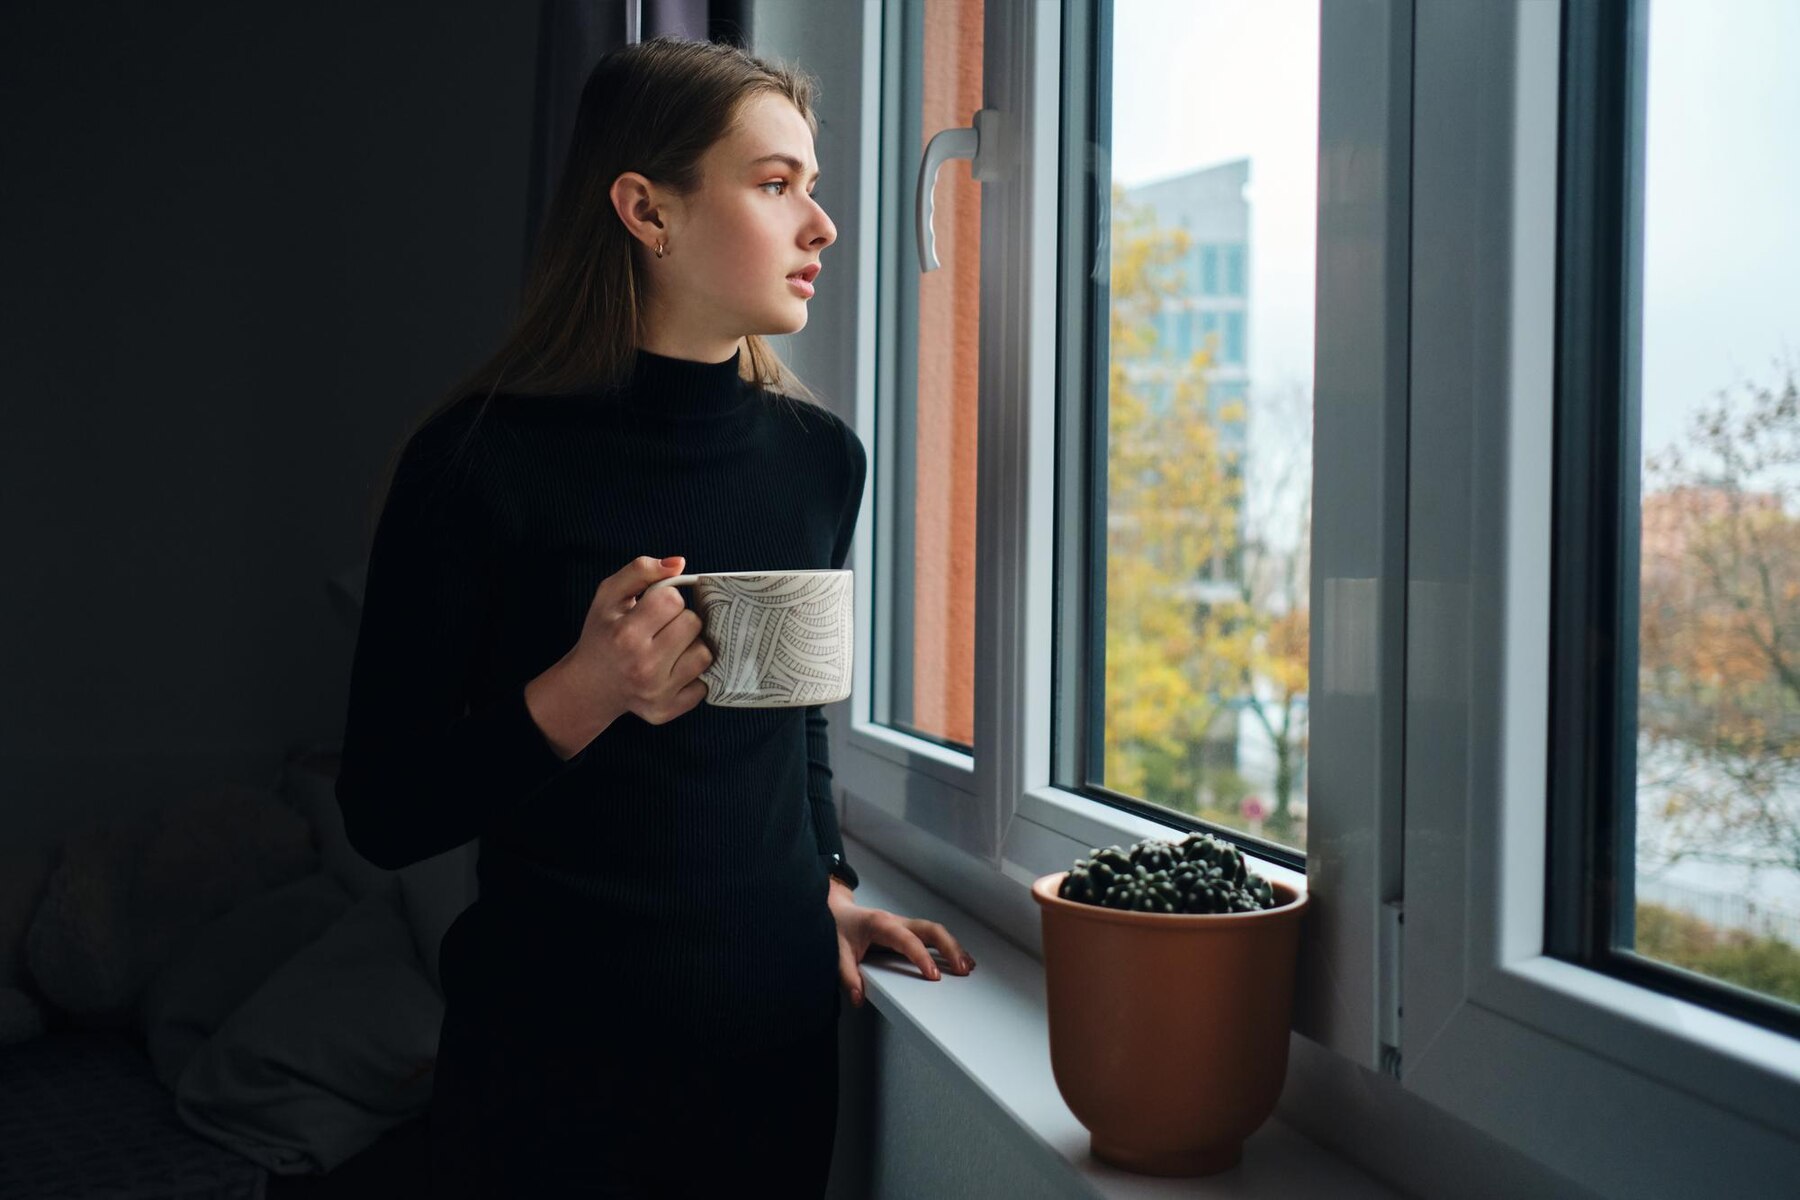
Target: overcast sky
<point>1722,240</point>
<point>1197,82</point>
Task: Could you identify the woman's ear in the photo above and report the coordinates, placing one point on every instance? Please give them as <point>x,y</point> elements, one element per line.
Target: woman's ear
<point>642,207</point>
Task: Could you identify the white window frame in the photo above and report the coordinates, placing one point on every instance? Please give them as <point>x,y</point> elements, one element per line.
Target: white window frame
<point>979,828</point>
<point>1439,130</point>
<point>1620,1088</point>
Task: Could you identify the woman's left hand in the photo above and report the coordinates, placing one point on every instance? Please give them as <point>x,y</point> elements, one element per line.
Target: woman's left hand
<point>859,928</point>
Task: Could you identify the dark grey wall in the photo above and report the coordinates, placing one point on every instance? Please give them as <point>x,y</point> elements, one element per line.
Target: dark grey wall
<point>241,248</point>
<point>824,38</point>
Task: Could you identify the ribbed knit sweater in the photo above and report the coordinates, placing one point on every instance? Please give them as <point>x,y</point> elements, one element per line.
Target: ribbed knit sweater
<point>672,873</point>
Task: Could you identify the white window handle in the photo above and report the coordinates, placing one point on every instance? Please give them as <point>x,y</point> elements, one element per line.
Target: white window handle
<point>984,144</point>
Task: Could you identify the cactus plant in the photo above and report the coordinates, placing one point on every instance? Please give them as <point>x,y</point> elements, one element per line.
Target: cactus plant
<point>1199,874</point>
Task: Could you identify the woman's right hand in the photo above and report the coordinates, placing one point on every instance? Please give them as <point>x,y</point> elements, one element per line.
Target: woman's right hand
<point>640,654</point>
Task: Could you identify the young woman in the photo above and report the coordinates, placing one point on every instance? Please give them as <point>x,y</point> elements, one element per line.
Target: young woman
<point>643,999</point>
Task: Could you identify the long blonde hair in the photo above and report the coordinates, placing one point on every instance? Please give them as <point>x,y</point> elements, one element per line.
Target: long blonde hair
<point>653,107</point>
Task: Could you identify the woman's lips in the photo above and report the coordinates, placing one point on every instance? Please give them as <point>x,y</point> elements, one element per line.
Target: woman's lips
<point>800,285</point>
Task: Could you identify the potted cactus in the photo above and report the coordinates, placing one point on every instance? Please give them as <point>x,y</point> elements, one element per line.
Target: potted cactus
<point>1169,969</point>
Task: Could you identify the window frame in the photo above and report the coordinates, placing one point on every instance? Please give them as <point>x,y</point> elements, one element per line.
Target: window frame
<point>982,826</point>
<point>1596,515</point>
<point>931,807</point>
<point>1551,1057</point>
<point>1428,762</point>
<point>914,779</point>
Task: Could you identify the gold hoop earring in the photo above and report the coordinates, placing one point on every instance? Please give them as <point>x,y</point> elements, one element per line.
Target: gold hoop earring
<point>659,249</point>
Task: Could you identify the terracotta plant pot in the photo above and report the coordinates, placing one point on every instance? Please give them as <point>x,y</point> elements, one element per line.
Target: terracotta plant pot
<point>1169,1031</point>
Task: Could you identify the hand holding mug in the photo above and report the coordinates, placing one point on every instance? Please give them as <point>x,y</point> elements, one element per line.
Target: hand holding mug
<point>639,651</point>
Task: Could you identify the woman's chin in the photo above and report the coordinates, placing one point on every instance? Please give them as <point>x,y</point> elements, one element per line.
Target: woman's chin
<point>791,322</point>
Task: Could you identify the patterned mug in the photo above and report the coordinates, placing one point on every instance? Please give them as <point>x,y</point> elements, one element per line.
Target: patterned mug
<point>780,639</point>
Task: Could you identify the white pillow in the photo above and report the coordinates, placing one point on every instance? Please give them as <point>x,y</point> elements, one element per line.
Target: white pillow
<point>435,890</point>
<point>335,1049</point>
<point>435,893</point>
<point>310,786</point>
<point>127,893</point>
<point>227,960</point>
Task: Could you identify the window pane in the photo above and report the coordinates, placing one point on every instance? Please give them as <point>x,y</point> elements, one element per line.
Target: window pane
<point>1208,488</point>
<point>929,689</point>
<point>1718,777</point>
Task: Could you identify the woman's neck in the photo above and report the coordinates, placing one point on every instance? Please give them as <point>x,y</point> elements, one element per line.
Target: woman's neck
<point>693,347</point>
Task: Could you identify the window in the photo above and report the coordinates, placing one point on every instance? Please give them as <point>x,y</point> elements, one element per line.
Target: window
<point>1030,792</point>
<point>925,602</point>
<point>1524,1014</point>
<point>1234,270</point>
<point>1676,712</point>
<point>1392,172</point>
<point>1234,339</point>
<point>1198,668</point>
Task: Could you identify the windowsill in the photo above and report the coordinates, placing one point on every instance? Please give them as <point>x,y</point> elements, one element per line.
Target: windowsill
<point>990,1026</point>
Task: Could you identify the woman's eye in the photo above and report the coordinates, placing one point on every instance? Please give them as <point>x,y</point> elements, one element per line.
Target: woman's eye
<point>780,183</point>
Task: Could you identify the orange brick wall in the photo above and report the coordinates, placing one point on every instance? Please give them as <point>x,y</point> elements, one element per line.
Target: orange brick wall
<point>949,313</point>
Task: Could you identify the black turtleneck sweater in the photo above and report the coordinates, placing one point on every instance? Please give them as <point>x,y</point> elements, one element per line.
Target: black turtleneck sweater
<point>670,873</point>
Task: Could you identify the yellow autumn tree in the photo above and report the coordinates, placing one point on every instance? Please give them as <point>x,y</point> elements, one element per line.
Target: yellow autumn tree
<point>1176,657</point>
<point>1191,633</point>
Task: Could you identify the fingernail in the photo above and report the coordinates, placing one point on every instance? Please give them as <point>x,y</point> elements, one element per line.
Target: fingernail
<point>968,964</point>
<point>856,998</point>
<point>934,972</point>
<point>671,561</point>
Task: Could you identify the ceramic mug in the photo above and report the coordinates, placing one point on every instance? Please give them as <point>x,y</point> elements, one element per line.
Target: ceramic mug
<point>780,639</point>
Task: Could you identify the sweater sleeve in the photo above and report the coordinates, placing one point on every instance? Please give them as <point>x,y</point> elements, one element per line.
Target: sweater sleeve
<point>421,772</point>
<point>818,748</point>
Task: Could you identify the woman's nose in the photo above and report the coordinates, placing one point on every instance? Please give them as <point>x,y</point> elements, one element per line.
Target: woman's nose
<point>825,233</point>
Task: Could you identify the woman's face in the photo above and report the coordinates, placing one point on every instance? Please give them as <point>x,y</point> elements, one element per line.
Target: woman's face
<point>733,245</point>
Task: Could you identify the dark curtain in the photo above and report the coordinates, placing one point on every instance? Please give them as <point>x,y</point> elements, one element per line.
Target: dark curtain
<point>572,35</point>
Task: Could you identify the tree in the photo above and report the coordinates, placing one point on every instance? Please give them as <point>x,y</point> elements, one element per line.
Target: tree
<point>1719,633</point>
<point>1274,586</point>
<point>1184,648</point>
<point>1173,664</point>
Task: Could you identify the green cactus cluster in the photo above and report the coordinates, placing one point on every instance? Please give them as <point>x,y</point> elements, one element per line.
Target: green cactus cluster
<point>1199,874</point>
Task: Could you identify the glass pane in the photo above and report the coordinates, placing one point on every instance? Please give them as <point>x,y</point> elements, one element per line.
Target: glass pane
<point>1718,785</point>
<point>930,688</point>
<point>1209,471</point>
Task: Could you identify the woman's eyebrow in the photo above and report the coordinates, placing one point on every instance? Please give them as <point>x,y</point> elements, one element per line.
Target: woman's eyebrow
<point>793,163</point>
